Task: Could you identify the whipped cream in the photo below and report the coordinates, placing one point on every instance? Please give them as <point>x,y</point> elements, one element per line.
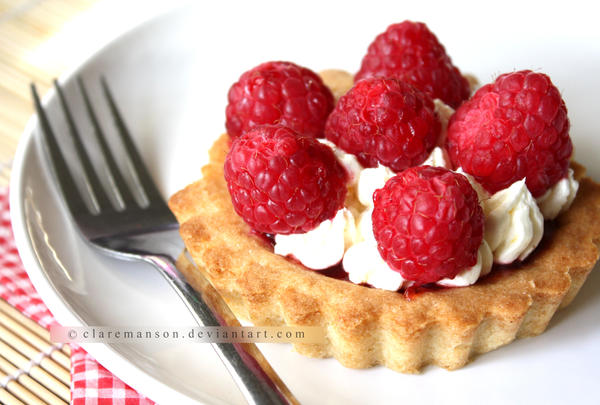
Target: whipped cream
<point>438,158</point>
<point>362,260</point>
<point>444,112</point>
<point>323,246</point>
<point>371,179</point>
<point>364,264</point>
<point>348,160</point>
<point>482,193</point>
<point>514,225</point>
<point>559,197</point>
<point>474,84</point>
<point>485,260</point>
<point>364,227</point>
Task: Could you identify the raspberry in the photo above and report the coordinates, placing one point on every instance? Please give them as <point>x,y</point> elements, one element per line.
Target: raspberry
<point>514,128</point>
<point>410,52</point>
<point>281,182</point>
<point>278,93</point>
<point>428,223</point>
<point>385,121</point>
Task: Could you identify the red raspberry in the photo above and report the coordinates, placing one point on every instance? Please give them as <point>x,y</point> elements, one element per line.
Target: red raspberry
<point>428,223</point>
<point>278,93</point>
<point>385,121</point>
<point>514,128</point>
<point>410,52</point>
<point>281,182</point>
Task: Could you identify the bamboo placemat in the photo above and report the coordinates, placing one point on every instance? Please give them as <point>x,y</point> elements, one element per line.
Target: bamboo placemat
<point>32,369</point>
<point>25,25</point>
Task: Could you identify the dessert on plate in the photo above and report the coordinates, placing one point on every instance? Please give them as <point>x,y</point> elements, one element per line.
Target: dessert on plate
<point>417,220</point>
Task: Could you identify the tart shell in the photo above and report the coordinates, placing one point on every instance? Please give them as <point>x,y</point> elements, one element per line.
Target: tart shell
<point>367,326</point>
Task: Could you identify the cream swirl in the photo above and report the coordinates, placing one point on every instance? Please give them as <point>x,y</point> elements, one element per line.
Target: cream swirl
<point>364,226</point>
<point>371,179</point>
<point>323,246</point>
<point>485,260</point>
<point>438,157</point>
<point>444,112</point>
<point>348,160</point>
<point>481,192</point>
<point>559,197</point>
<point>364,264</point>
<point>514,224</point>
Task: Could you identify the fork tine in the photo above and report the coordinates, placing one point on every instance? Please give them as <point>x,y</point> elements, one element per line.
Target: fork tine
<point>89,171</point>
<point>152,193</point>
<point>120,183</point>
<point>63,174</point>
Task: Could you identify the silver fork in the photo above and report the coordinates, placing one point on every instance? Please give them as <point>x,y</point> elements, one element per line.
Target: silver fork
<point>133,231</point>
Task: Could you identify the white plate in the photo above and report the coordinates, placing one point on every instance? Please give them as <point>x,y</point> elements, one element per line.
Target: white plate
<point>170,77</point>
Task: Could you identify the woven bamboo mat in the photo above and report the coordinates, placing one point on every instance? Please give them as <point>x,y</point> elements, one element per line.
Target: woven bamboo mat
<point>25,25</point>
<point>32,369</point>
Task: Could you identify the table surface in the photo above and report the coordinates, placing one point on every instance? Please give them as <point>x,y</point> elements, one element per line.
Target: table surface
<point>41,39</point>
<point>25,27</point>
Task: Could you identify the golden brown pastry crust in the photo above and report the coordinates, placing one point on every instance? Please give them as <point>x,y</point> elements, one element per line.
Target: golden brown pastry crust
<point>367,326</point>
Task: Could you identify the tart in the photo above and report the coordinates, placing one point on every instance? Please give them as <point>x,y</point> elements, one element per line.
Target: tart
<point>428,223</point>
<point>367,326</point>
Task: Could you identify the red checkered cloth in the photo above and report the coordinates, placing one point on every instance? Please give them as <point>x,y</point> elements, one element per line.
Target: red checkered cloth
<point>90,382</point>
<point>93,384</point>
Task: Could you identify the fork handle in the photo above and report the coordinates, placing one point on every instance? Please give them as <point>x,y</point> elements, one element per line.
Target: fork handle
<point>250,370</point>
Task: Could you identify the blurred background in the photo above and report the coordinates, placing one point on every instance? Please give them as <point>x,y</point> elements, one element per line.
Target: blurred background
<point>41,39</point>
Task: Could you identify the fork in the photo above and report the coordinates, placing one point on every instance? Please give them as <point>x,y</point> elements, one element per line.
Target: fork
<point>124,227</point>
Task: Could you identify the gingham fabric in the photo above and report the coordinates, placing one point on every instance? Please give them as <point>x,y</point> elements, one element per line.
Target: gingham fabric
<point>15,286</point>
<point>91,383</point>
